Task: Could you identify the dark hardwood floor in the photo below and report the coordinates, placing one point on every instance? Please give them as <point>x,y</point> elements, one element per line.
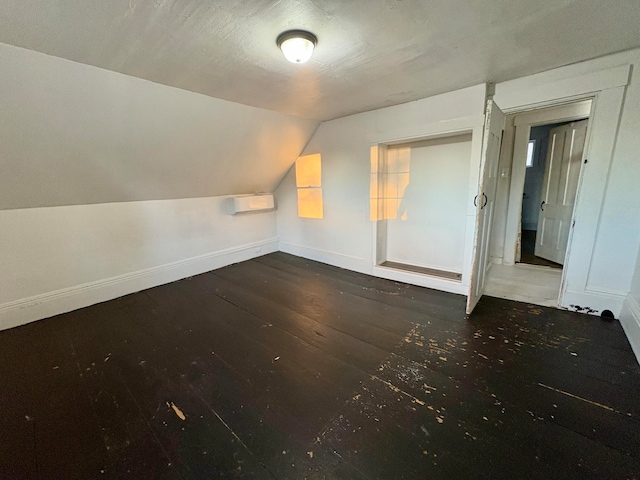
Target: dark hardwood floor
<point>285,368</point>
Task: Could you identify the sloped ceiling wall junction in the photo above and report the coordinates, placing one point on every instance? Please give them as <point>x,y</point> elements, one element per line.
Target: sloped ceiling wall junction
<point>72,133</point>
<point>76,134</point>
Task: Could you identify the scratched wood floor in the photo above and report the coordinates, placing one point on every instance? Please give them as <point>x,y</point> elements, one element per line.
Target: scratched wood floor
<point>285,368</point>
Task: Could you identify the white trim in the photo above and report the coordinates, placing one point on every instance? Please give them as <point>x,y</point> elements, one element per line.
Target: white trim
<point>440,129</point>
<point>426,281</point>
<point>531,266</point>
<point>523,123</point>
<point>595,301</point>
<point>602,136</point>
<point>607,88</point>
<point>37,307</point>
<point>365,266</point>
<point>542,89</point>
<point>473,125</point>
<point>554,114</point>
<point>630,321</point>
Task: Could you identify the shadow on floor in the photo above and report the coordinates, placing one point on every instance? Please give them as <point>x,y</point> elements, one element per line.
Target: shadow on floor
<point>528,249</point>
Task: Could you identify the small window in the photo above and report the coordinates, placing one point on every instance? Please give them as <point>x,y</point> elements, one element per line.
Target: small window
<point>530,149</point>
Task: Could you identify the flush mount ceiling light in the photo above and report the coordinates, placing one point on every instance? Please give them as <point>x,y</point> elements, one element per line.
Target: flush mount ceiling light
<point>297,45</point>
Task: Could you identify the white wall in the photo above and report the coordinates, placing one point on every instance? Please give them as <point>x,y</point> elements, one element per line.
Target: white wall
<point>110,184</point>
<point>56,259</point>
<point>435,203</point>
<point>607,231</point>
<point>76,134</point>
<point>345,236</point>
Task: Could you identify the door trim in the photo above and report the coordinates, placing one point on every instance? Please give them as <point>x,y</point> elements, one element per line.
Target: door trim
<point>473,125</point>
<point>607,89</point>
<point>523,123</point>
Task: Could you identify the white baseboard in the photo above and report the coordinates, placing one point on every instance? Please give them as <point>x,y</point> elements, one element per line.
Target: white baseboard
<point>365,266</point>
<point>426,281</point>
<point>630,321</point>
<point>25,310</point>
<point>495,260</point>
<point>331,258</point>
<point>597,301</point>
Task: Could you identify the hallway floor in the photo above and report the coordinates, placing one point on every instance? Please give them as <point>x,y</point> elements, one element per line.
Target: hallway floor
<point>525,283</point>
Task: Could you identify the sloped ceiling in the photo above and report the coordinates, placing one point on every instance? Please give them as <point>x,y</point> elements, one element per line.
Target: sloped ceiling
<point>370,54</point>
<point>75,134</point>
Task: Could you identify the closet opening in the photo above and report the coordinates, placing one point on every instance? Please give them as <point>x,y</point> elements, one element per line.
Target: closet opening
<point>419,200</point>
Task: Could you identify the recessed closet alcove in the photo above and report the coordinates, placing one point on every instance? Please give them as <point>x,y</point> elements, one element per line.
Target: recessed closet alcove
<point>419,192</point>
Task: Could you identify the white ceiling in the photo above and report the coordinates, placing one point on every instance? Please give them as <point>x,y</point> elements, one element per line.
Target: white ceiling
<point>370,54</point>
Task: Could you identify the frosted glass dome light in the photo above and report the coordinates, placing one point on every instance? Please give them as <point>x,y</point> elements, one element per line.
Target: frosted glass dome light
<point>297,45</point>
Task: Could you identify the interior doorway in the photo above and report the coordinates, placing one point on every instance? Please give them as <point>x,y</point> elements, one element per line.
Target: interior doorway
<point>553,162</point>
<point>546,160</point>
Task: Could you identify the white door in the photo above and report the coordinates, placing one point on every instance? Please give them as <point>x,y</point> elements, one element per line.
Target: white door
<point>485,200</point>
<point>561,175</point>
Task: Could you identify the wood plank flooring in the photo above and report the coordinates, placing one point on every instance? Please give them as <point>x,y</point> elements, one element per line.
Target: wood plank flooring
<point>282,367</point>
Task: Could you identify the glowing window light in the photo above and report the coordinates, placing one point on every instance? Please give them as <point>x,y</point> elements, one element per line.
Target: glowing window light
<point>530,149</point>
<point>309,185</point>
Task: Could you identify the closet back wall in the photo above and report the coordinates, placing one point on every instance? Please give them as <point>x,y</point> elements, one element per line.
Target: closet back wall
<point>430,227</point>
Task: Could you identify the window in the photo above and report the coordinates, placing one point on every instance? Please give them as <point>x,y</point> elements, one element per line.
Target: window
<point>309,183</point>
<point>530,149</point>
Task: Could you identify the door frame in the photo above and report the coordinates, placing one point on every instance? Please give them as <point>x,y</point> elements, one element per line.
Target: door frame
<point>520,133</point>
<point>581,287</point>
<point>463,125</point>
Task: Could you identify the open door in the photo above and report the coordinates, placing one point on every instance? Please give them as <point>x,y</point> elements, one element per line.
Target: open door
<point>485,200</point>
<point>561,175</point>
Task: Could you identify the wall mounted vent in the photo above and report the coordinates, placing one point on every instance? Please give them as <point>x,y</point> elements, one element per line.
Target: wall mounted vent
<point>252,203</point>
